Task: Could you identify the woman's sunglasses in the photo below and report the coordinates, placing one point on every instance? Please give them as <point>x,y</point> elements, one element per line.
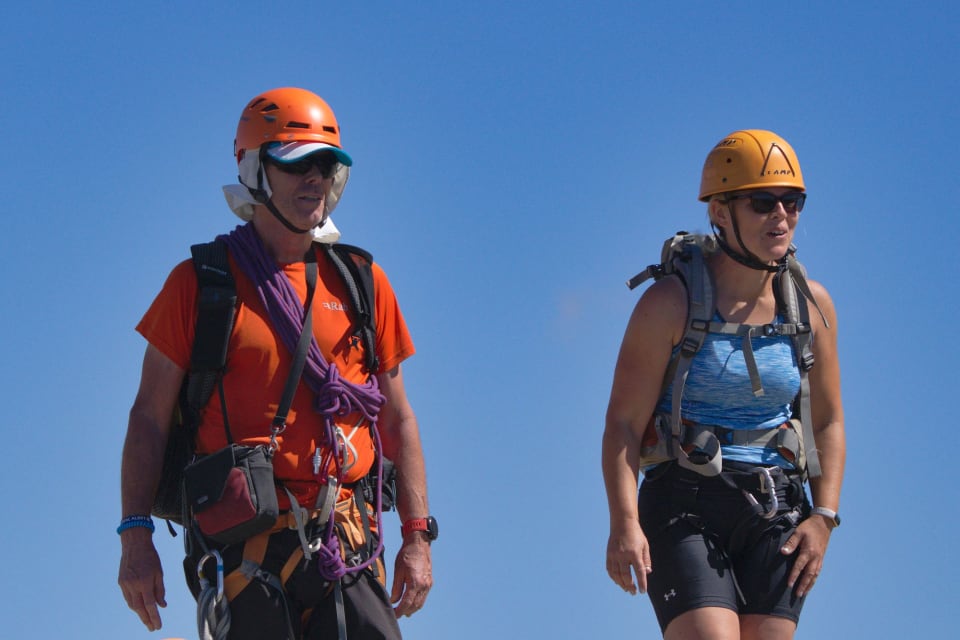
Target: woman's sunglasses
<point>325,162</point>
<point>765,202</point>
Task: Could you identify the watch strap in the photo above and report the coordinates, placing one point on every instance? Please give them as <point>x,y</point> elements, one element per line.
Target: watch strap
<point>414,524</point>
<point>830,514</point>
<point>428,525</point>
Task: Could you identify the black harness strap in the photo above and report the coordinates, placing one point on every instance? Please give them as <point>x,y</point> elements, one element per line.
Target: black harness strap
<point>216,311</point>
<point>354,266</point>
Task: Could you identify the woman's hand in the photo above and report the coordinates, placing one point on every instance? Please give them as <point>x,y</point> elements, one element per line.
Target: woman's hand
<point>628,554</point>
<point>809,542</point>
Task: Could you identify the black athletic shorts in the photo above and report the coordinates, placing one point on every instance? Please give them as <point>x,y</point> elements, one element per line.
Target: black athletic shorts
<point>711,548</point>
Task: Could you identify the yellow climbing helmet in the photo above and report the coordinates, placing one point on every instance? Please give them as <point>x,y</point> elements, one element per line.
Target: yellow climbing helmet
<point>750,159</point>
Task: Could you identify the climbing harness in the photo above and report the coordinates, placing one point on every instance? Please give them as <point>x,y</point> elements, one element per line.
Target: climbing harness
<point>774,499</point>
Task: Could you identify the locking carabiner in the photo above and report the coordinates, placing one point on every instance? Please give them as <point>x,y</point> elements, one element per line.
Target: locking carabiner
<point>768,486</point>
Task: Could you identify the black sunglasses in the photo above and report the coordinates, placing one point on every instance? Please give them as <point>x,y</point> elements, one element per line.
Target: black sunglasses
<point>765,202</point>
<point>325,162</point>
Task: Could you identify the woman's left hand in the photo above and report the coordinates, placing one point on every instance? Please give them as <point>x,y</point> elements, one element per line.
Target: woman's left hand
<point>809,542</point>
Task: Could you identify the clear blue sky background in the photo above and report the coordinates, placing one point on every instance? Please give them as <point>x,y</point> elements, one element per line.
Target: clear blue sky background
<point>515,163</point>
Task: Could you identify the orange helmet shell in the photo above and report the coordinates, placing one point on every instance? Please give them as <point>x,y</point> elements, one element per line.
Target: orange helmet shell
<point>750,159</point>
<point>286,115</point>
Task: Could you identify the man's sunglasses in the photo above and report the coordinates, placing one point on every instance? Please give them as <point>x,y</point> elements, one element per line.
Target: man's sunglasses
<point>325,162</point>
<point>766,202</point>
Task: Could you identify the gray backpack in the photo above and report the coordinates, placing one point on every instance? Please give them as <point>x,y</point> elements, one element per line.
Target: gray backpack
<point>697,447</point>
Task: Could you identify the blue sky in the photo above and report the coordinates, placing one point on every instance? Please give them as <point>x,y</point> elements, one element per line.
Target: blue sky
<point>515,164</point>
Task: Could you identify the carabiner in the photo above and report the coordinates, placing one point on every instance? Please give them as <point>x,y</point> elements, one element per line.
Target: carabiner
<point>204,583</point>
<point>274,432</point>
<point>345,447</point>
<point>768,486</point>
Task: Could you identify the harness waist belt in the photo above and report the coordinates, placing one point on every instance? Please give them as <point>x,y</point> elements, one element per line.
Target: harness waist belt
<point>288,519</point>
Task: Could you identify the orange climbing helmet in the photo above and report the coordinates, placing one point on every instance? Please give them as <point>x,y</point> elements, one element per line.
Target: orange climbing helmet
<point>750,159</point>
<point>289,115</point>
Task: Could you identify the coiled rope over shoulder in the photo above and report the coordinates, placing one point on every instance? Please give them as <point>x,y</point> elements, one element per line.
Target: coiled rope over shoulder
<point>334,395</point>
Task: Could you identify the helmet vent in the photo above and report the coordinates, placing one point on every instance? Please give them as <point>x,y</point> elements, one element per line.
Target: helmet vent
<point>286,115</point>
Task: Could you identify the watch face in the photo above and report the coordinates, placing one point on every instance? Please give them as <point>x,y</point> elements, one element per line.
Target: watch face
<point>432,530</point>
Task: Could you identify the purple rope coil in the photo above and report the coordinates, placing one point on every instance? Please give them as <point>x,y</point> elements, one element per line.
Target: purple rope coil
<point>334,395</point>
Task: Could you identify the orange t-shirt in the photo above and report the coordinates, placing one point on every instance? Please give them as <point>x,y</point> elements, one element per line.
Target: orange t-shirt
<point>258,365</point>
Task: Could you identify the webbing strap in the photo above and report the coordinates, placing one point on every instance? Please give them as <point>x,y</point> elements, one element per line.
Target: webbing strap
<point>291,565</point>
<point>301,517</point>
<point>358,278</point>
<point>700,312</point>
<point>679,380</point>
<point>254,551</point>
<point>341,613</point>
<point>751,361</point>
<point>784,438</point>
<point>747,332</point>
<point>300,355</point>
<point>810,446</point>
<point>368,545</point>
<point>797,312</point>
<point>216,307</point>
<point>799,277</point>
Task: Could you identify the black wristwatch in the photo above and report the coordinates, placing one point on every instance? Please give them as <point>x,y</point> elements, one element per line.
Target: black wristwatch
<point>829,514</point>
<point>427,525</point>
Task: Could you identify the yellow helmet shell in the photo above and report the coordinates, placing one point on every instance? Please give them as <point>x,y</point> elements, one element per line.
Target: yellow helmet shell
<point>750,159</point>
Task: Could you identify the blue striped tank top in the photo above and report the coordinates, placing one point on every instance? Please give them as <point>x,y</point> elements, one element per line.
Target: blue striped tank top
<point>718,391</point>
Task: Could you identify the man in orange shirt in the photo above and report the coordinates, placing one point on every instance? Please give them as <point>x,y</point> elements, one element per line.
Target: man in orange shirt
<point>341,416</point>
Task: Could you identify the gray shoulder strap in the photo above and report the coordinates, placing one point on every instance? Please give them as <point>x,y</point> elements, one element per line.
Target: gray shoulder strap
<point>795,312</point>
<point>700,309</point>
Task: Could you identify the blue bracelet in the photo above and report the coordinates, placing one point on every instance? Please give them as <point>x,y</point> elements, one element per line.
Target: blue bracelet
<point>132,522</point>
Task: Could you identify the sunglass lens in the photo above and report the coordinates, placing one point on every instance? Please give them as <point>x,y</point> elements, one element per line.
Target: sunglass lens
<point>763,202</point>
<point>325,162</point>
<point>794,201</point>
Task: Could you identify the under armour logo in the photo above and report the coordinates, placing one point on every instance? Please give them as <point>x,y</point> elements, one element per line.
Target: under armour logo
<point>669,594</point>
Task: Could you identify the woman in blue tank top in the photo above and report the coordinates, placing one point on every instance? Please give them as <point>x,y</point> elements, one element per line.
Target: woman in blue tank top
<point>728,549</point>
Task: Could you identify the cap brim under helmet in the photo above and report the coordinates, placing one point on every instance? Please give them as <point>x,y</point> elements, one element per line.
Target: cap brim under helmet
<point>293,151</point>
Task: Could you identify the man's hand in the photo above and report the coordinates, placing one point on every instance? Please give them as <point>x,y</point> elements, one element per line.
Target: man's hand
<point>141,576</point>
<point>412,575</point>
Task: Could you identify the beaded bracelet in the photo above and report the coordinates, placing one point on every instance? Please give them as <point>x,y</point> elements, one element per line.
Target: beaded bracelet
<point>131,522</point>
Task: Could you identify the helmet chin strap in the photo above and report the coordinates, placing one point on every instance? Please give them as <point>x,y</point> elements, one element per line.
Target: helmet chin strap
<point>747,258</point>
<point>279,216</point>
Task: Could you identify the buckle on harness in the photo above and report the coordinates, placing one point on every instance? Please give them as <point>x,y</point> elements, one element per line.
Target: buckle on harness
<point>768,486</point>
